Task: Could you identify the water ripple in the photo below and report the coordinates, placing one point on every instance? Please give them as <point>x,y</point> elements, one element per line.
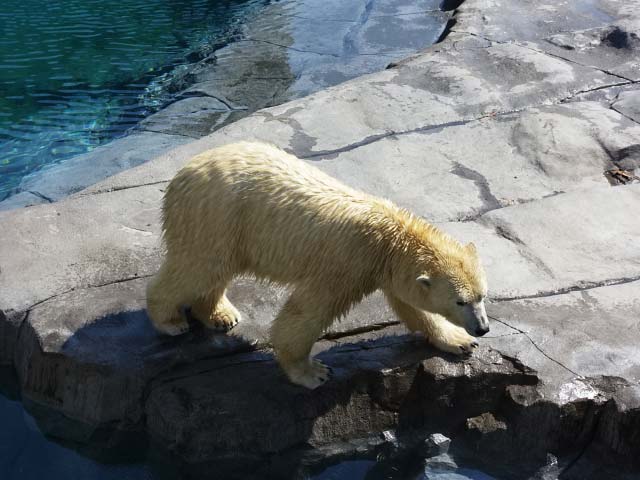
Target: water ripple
<point>72,72</point>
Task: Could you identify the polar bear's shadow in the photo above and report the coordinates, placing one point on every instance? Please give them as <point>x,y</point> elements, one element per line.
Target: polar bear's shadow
<point>235,386</point>
<point>127,343</point>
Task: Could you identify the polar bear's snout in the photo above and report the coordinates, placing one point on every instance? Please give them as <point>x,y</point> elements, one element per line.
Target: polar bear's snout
<point>477,323</point>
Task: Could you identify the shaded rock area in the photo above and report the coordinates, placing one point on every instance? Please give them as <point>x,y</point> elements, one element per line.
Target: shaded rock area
<point>291,49</point>
<point>501,135</point>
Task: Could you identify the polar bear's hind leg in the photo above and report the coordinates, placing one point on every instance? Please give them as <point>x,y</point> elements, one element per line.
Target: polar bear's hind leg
<point>166,293</point>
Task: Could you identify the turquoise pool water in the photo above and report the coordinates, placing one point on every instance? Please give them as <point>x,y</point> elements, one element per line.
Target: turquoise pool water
<point>77,73</point>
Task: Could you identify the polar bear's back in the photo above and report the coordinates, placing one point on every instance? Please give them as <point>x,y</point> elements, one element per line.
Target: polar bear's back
<point>279,214</point>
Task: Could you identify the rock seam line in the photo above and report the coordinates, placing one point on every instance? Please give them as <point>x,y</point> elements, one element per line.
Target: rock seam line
<point>537,347</point>
<point>581,287</point>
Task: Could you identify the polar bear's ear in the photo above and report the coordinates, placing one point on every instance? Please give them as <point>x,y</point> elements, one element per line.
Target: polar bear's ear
<point>424,280</point>
<point>471,248</point>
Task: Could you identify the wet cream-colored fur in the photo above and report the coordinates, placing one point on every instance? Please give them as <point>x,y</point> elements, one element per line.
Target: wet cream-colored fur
<point>251,208</point>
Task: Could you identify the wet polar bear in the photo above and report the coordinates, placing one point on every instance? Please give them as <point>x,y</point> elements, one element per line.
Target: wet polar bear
<point>251,208</point>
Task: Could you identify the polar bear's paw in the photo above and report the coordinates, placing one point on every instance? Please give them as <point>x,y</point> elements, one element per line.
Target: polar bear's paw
<point>310,373</point>
<point>223,319</point>
<point>453,339</point>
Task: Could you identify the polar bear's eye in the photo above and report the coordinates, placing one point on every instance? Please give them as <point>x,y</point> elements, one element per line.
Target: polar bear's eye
<point>461,303</point>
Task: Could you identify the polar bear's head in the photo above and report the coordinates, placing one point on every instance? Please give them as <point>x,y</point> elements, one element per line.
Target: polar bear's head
<point>453,285</point>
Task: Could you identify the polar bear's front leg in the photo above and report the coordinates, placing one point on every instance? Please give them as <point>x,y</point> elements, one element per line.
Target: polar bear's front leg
<point>448,337</point>
<point>438,331</point>
<point>293,333</point>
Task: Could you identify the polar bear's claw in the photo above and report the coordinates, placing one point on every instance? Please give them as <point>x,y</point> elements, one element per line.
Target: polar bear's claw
<point>223,319</point>
<point>223,322</point>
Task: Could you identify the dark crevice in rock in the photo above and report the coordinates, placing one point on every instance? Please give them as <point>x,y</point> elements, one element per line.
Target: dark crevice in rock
<point>40,195</point>
<point>327,154</point>
<point>613,107</point>
<point>84,287</point>
<point>504,233</point>
<point>537,347</point>
<point>543,52</point>
<point>124,187</point>
<point>519,201</point>
<point>488,198</point>
<point>356,331</point>
<point>523,248</point>
<point>581,287</point>
<point>560,57</point>
<point>595,89</point>
<point>199,93</point>
<point>151,130</point>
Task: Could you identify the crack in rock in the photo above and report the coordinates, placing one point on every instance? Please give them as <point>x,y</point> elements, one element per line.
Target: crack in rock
<point>195,93</point>
<point>123,187</point>
<point>84,287</point>
<point>542,52</point>
<point>329,154</point>
<point>41,195</point>
<point>151,130</point>
<point>537,347</point>
<point>580,287</point>
<point>522,247</point>
<point>613,107</point>
<point>488,198</point>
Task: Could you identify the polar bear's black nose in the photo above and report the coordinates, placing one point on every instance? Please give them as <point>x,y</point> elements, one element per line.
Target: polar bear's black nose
<point>480,331</point>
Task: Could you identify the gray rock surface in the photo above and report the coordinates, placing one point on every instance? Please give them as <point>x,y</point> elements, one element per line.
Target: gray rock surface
<point>499,137</point>
<point>58,181</point>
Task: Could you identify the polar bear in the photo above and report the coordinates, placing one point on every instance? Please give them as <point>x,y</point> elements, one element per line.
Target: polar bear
<point>252,209</point>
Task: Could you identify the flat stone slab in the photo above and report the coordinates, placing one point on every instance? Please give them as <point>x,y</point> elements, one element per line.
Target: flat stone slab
<point>589,236</point>
<point>587,333</point>
<point>58,181</point>
<point>51,249</point>
<point>628,104</point>
<point>190,117</point>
